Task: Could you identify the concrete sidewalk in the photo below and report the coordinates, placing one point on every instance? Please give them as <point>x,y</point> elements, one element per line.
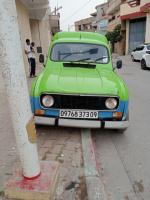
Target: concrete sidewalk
<point>8,151</point>
<point>7,142</point>
<point>55,144</point>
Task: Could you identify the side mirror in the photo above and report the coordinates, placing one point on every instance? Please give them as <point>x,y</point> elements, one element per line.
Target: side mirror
<point>119,64</point>
<point>41,58</point>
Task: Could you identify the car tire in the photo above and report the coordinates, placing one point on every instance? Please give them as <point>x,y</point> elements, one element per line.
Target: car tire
<point>143,64</point>
<point>132,57</point>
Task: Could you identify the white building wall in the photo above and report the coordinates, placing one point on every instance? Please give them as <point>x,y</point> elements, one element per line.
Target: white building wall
<point>40,31</point>
<point>127,37</point>
<point>147,35</point>
<point>24,28</point>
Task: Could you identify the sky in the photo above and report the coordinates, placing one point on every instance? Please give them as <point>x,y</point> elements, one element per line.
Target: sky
<point>74,10</point>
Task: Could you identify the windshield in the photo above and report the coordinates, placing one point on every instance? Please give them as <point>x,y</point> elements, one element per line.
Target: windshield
<point>77,52</point>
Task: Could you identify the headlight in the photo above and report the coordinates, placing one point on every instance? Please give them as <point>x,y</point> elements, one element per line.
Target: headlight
<point>48,101</point>
<point>111,103</point>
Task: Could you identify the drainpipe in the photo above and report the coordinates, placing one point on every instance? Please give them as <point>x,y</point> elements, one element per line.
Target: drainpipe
<point>16,90</point>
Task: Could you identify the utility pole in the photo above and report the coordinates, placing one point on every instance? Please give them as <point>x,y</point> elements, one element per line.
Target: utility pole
<point>14,78</point>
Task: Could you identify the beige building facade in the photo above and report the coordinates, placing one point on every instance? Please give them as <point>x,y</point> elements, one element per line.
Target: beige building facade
<point>135,15</point>
<point>114,19</point>
<point>114,11</point>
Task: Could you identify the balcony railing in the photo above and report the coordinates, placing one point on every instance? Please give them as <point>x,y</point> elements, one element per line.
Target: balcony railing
<point>133,3</point>
<point>113,5</point>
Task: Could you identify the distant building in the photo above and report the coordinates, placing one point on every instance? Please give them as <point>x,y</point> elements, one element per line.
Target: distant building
<point>101,18</point>
<point>85,25</point>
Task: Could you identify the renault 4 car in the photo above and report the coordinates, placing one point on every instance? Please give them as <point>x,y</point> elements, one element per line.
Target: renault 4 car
<point>79,86</point>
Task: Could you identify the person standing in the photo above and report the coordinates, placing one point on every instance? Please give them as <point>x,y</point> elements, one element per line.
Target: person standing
<point>28,53</point>
<point>33,61</point>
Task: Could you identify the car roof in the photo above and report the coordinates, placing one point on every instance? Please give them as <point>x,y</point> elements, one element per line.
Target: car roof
<point>82,36</point>
<point>145,45</point>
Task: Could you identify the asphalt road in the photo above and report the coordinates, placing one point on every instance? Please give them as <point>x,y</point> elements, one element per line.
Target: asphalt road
<point>124,159</point>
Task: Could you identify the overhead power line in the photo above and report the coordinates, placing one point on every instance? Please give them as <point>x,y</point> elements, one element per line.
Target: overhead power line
<point>78,10</point>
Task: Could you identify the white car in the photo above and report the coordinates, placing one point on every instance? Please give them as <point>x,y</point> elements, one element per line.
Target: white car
<point>145,62</point>
<point>138,53</point>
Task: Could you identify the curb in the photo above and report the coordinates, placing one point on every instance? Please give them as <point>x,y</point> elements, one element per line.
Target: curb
<point>95,187</point>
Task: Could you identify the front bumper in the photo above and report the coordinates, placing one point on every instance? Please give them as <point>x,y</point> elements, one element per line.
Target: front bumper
<point>81,123</point>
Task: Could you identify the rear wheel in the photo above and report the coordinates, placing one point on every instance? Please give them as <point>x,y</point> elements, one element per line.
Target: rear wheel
<point>143,64</point>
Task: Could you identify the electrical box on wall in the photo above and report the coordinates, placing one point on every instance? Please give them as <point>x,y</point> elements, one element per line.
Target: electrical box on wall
<point>39,49</point>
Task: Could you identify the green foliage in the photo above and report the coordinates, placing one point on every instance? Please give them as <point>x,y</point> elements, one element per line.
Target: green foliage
<point>115,35</point>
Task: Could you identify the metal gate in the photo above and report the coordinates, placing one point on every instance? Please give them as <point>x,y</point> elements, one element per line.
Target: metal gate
<point>136,33</point>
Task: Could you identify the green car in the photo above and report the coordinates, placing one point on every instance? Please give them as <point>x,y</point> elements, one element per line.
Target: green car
<point>79,86</point>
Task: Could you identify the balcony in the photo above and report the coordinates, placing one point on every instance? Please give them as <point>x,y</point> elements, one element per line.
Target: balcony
<point>130,10</point>
<point>133,3</point>
<point>37,8</point>
<point>113,6</point>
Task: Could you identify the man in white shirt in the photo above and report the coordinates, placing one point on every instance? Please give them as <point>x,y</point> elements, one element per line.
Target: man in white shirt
<point>28,52</point>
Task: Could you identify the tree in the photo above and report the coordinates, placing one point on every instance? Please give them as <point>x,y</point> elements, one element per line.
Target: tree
<point>114,36</point>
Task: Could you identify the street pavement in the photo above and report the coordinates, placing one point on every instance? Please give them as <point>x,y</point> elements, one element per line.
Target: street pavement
<point>124,159</point>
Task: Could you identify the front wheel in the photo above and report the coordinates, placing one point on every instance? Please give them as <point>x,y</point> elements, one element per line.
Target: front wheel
<point>143,64</point>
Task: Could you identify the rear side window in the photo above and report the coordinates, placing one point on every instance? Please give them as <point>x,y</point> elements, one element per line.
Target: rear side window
<point>140,48</point>
<point>148,47</point>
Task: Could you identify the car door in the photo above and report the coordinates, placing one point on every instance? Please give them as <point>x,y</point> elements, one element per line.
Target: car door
<point>141,50</point>
<point>136,53</point>
<point>148,56</point>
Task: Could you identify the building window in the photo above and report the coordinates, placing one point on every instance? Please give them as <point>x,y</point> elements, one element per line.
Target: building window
<point>79,27</point>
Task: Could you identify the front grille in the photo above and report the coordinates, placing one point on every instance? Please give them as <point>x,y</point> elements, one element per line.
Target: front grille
<point>79,102</point>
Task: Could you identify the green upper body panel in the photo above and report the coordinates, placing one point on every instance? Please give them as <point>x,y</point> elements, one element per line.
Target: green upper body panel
<point>101,80</point>
<point>79,36</point>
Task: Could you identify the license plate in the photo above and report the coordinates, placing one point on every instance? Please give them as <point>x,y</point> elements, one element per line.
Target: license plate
<point>78,114</point>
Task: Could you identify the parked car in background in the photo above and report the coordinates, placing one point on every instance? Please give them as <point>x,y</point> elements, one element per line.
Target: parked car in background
<point>79,86</point>
<point>145,62</point>
<point>138,53</point>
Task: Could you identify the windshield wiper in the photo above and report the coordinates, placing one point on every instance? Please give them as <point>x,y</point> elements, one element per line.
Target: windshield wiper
<point>91,51</point>
<point>81,60</point>
<point>101,58</point>
<point>66,55</point>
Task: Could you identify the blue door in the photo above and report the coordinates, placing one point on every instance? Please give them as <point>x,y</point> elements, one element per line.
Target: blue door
<point>136,33</point>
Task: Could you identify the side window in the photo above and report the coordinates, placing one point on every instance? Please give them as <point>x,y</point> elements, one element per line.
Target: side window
<point>139,48</point>
<point>148,47</point>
